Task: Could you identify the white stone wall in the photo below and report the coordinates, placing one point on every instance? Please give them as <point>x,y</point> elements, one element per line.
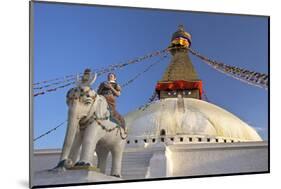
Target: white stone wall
<point>209,159</point>
<point>187,159</point>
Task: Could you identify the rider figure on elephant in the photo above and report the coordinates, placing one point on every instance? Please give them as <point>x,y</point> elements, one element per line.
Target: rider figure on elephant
<point>110,90</point>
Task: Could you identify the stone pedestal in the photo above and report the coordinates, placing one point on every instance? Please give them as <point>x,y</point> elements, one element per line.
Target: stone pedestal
<point>46,177</point>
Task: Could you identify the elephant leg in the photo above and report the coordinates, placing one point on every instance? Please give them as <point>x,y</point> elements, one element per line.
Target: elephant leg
<point>92,134</point>
<point>102,153</point>
<point>72,128</point>
<point>75,149</point>
<point>73,153</point>
<point>117,155</point>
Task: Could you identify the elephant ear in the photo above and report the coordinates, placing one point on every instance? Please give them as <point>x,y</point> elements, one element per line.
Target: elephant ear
<point>101,108</point>
<point>68,95</point>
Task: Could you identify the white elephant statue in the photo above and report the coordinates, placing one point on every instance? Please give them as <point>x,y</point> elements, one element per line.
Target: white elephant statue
<point>90,130</point>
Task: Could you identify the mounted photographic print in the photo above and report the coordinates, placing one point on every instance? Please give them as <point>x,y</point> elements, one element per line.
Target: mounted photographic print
<point>122,94</point>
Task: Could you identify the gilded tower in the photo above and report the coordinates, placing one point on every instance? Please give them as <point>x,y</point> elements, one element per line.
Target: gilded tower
<point>180,78</point>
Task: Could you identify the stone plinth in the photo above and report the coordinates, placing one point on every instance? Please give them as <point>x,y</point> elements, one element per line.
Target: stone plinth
<point>46,177</point>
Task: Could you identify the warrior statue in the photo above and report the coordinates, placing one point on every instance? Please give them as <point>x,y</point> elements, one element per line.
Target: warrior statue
<point>110,90</point>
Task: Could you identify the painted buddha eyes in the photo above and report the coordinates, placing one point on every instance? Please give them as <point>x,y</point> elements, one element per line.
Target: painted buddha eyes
<point>172,93</point>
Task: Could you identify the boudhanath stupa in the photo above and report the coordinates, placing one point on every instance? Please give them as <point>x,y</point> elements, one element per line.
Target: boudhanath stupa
<point>180,134</point>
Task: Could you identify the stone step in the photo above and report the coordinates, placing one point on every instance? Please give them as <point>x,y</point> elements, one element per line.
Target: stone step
<point>130,163</point>
<point>133,169</point>
<point>137,157</point>
<point>127,177</point>
<point>134,174</point>
<point>134,165</point>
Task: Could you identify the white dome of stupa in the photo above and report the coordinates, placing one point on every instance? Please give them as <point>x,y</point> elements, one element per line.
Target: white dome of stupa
<point>197,118</point>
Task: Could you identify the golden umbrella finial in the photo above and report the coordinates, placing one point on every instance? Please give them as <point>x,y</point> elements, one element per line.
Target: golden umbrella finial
<point>181,27</point>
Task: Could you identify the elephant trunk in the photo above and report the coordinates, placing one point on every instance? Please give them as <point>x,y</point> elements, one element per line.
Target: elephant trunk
<point>72,127</point>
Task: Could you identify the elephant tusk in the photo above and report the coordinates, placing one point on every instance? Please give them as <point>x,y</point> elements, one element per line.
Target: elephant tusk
<point>94,79</point>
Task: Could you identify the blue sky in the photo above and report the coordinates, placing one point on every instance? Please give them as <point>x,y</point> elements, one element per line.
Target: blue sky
<point>68,39</point>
